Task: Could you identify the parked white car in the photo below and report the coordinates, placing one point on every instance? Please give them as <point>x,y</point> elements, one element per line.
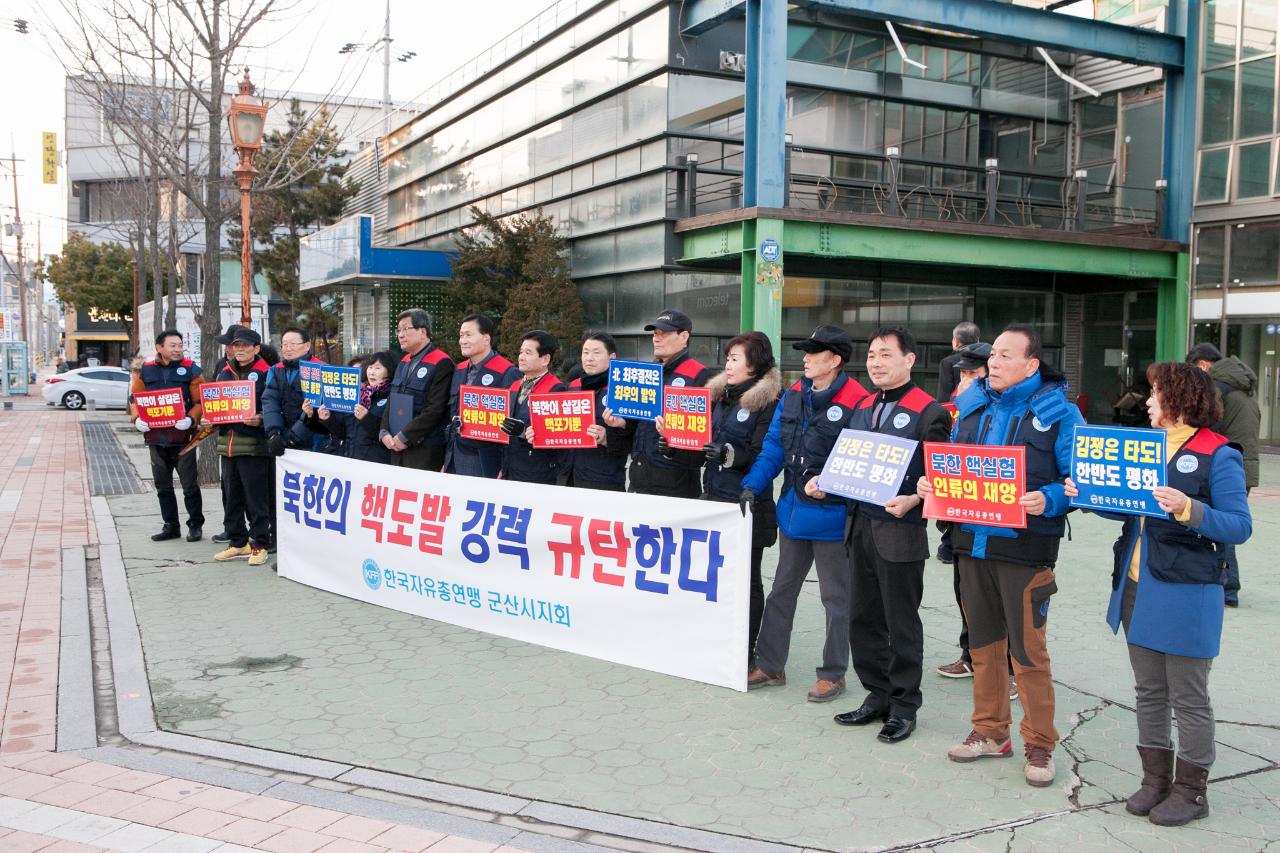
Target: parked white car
<point>108,387</point>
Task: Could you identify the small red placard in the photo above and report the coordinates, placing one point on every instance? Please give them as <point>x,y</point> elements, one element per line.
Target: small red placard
<point>976,484</point>
<point>482,411</point>
<point>228,402</point>
<point>686,417</point>
<point>161,409</point>
<point>560,421</point>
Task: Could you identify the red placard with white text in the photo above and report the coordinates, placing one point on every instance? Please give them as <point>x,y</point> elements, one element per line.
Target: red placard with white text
<point>161,409</point>
<point>560,421</point>
<point>686,417</point>
<point>228,402</point>
<point>976,484</point>
<point>482,411</point>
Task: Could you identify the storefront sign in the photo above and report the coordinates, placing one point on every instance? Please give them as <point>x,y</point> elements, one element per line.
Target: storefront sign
<point>976,484</point>
<point>1115,469</point>
<point>560,421</point>
<point>867,466</point>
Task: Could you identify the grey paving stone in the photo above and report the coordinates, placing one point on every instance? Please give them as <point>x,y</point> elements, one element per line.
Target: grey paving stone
<point>77,720</point>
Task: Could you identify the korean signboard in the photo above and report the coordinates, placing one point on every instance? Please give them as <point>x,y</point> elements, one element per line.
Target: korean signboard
<point>977,484</point>
<point>867,466</point>
<point>1115,469</point>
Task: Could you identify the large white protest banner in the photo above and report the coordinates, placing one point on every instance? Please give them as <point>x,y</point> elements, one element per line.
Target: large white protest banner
<point>656,583</point>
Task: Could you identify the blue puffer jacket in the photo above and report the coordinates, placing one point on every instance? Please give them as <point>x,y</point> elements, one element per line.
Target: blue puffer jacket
<point>1033,409</point>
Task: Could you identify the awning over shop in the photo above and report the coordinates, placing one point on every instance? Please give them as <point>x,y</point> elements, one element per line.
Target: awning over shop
<point>344,255</point>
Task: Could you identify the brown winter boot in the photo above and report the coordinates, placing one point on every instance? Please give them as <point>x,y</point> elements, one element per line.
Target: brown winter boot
<point>1186,801</point>
<point>1157,778</point>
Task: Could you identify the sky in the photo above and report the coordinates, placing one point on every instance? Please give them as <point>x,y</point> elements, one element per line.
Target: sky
<point>298,51</point>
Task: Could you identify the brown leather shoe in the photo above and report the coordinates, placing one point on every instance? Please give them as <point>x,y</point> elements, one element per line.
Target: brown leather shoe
<point>1157,778</point>
<point>960,669</point>
<point>759,678</point>
<point>825,691</point>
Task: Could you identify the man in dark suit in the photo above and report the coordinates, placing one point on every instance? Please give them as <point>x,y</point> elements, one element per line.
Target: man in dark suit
<point>888,545</point>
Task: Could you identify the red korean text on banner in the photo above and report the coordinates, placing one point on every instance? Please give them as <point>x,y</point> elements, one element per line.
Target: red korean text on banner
<point>976,484</point>
<point>482,411</point>
<point>686,417</point>
<point>161,409</point>
<point>560,421</point>
<point>228,402</point>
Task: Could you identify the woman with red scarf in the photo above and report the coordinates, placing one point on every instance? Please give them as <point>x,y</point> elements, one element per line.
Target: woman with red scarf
<point>359,431</point>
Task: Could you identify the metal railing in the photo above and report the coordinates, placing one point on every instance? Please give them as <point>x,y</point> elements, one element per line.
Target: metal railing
<point>891,186</point>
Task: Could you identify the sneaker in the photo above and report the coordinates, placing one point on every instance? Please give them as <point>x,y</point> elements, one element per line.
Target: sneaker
<point>1013,688</point>
<point>824,690</point>
<point>220,538</point>
<point>1039,770</point>
<point>960,669</point>
<point>976,746</point>
<point>759,678</point>
<point>258,557</point>
<point>233,553</point>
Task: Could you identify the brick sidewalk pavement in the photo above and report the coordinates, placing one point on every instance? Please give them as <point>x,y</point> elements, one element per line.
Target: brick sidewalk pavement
<point>59,802</point>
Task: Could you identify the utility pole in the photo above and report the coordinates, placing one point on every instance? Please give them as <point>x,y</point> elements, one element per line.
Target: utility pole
<point>42,333</point>
<point>386,73</point>
<point>17,233</point>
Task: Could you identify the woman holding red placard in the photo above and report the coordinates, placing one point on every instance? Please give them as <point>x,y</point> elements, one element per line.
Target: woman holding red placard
<point>1167,591</point>
<point>743,399</point>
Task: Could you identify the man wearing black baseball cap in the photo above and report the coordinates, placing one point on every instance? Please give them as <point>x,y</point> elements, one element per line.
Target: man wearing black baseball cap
<point>805,427</point>
<point>247,482</point>
<point>656,469</point>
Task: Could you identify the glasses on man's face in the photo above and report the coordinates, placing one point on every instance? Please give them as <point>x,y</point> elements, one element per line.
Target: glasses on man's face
<point>404,330</point>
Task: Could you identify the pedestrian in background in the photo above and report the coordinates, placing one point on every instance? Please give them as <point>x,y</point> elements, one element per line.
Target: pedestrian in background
<point>1167,590</point>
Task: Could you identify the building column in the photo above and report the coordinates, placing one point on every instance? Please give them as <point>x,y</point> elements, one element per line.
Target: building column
<point>1173,312</point>
<point>762,279</point>
<point>1179,164</point>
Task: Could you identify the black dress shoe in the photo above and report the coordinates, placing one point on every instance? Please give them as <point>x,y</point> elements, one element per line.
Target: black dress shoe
<point>896,729</point>
<point>195,534</point>
<point>861,717</point>
<point>220,538</point>
<point>167,532</point>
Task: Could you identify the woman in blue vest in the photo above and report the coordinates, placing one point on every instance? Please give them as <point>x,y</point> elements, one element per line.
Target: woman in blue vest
<point>359,431</point>
<point>743,400</point>
<point>1167,591</point>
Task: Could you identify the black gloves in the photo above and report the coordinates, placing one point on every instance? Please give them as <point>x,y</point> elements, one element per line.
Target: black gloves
<point>513,427</point>
<point>717,454</point>
<point>275,444</point>
<point>746,499</point>
<point>667,451</point>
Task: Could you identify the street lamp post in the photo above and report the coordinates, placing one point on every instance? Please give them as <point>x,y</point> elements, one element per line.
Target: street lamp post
<point>246,118</point>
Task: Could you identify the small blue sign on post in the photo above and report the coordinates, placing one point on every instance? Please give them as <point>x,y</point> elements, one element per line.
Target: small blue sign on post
<point>770,250</point>
<point>867,466</point>
<point>329,385</point>
<point>635,390</point>
<point>1116,468</point>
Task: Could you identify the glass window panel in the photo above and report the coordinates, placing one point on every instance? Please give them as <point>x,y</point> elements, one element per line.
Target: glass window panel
<point>1097,113</point>
<point>1255,253</point>
<point>1213,175</point>
<point>1217,106</point>
<point>1097,147</point>
<point>809,302</point>
<point>1221,22</point>
<point>1258,35</point>
<point>1257,97</point>
<point>930,311</point>
<point>1253,174</point>
<point>994,308</point>
<point>696,103</point>
<point>1209,249</point>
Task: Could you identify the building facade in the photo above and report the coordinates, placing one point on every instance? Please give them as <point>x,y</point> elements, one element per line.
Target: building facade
<point>1237,201</point>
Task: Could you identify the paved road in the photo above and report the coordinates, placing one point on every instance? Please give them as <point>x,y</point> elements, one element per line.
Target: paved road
<point>237,654</point>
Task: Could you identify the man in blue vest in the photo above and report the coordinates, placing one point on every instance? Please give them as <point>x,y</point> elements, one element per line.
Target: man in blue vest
<point>414,420</point>
<point>285,411</point>
<point>484,367</point>
<point>805,427</point>
<point>657,469</point>
<point>888,545</point>
<point>1006,574</point>
<point>522,462</point>
<point>169,369</point>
